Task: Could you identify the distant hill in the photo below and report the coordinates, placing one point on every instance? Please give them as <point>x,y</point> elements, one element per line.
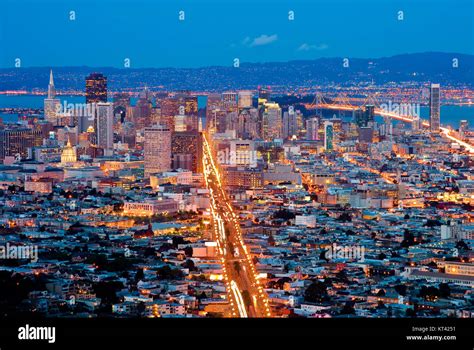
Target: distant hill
<point>419,67</point>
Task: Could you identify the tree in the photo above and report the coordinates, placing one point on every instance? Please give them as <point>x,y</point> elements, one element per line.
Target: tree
<point>189,264</point>
<point>348,308</point>
<point>408,239</point>
<point>401,289</point>
<point>139,276</point>
<point>316,292</point>
<point>444,290</point>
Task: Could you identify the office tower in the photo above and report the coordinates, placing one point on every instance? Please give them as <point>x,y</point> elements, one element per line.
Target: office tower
<point>366,134</point>
<point>242,153</point>
<point>245,99</point>
<point>141,112</point>
<point>190,104</point>
<point>229,101</point>
<point>105,127</point>
<point>290,123</point>
<point>463,127</point>
<point>231,121</point>
<point>157,149</point>
<point>271,121</point>
<point>369,114</point>
<point>96,88</point>
<point>247,123</point>
<point>328,136</point>
<point>434,107</point>
<point>51,104</point>
<point>16,142</point>
<point>121,102</point>
<point>359,117</point>
<point>186,150</point>
<point>416,125</point>
<point>312,129</point>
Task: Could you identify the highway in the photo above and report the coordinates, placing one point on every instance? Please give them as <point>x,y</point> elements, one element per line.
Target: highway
<point>246,295</point>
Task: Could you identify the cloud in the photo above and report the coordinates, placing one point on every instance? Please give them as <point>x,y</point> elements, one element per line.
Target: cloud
<point>262,40</point>
<point>309,47</point>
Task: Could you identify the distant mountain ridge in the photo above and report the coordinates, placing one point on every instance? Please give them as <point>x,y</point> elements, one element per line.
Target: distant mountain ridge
<point>417,67</point>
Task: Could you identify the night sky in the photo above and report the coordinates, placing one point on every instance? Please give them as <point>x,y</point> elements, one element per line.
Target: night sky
<point>214,32</point>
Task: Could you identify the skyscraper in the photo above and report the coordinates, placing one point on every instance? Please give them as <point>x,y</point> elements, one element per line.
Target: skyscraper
<point>105,127</point>
<point>312,128</point>
<point>157,149</point>
<point>434,107</point>
<point>245,99</point>
<point>51,104</point>
<point>328,135</point>
<point>290,124</point>
<point>271,121</point>
<point>186,149</point>
<point>96,88</point>
<point>16,142</point>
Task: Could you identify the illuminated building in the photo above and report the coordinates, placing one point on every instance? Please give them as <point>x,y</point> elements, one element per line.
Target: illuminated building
<point>39,186</point>
<point>434,107</point>
<point>15,142</point>
<point>290,123</point>
<point>463,127</point>
<point>186,149</point>
<point>242,153</point>
<point>245,99</point>
<point>151,207</point>
<point>121,103</point>
<point>243,177</point>
<point>229,101</point>
<point>96,88</point>
<point>51,104</point>
<point>105,127</point>
<point>157,149</point>
<point>68,154</point>
<point>312,129</point>
<point>328,136</point>
<point>271,121</point>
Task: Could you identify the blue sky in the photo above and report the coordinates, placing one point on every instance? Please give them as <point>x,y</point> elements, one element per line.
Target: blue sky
<point>214,32</point>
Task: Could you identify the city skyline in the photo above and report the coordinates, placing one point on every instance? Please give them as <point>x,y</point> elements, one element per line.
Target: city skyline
<point>167,166</point>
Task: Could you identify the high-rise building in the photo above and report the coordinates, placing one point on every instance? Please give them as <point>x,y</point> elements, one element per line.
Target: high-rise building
<point>186,150</point>
<point>105,127</point>
<point>16,142</point>
<point>364,117</point>
<point>328,136</point>
<point>290,123</point>
<point>245,99</point>
<point>229,101</point>
<point>435,107</point>
<point>51,104</point>
<point>369,114</point>
<point>463,127</point>
<point>121,103</point>
<point>157,149</point>
<point>271,121</point>
<point>312,129</point>
<point>242,153</point>
<point>96,88</point>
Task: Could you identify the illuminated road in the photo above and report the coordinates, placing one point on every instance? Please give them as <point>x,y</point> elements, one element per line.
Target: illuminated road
<point>403,118</point>
<point>246,295</point>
